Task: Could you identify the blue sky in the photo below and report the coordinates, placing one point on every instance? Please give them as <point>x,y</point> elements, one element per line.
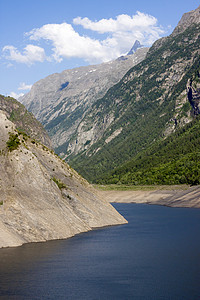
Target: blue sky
<point>42,37</point>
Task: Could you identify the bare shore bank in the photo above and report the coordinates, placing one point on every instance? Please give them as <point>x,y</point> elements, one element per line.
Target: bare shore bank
<point>172,196</point>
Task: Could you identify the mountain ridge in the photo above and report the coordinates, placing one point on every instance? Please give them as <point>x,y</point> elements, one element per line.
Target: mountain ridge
<point>148,104</point>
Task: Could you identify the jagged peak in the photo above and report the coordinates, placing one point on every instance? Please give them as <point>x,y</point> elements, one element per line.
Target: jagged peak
<point>136,45</point>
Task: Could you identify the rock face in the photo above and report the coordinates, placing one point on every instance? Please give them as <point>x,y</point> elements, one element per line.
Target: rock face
<point>192,17</point>
<point>41,197</point>
<point>60,101</point>
<point>136,46</point>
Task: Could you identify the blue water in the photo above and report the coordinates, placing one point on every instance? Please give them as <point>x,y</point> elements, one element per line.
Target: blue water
<point>155,256</point>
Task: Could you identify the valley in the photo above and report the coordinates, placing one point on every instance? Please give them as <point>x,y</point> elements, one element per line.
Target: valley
<point>119,129</point>
<point>133,121</point>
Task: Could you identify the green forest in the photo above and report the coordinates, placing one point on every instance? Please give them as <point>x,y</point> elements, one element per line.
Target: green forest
<point>144,104</point>
<point>175,160</point>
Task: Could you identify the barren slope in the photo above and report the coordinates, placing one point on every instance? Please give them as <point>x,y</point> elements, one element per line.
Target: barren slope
<point>41,197</point>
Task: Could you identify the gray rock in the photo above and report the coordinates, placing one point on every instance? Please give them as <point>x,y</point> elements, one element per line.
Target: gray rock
<point>41,197</point>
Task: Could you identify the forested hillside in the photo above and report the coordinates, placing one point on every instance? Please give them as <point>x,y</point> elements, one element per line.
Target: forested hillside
<point>175,160</point>
<point>146,106</point>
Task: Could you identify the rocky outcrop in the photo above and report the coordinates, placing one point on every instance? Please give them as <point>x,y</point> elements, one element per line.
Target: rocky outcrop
<point>193,93</point>
<point>192,17</point>
<point>41,197</point>
<point>136,46</point>
<point>60,101</point>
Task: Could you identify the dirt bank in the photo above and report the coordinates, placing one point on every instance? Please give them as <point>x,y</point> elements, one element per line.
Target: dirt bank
<point>189,197</point>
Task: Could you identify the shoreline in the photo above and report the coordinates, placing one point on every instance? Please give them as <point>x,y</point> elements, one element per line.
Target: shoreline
<point>173,196</point>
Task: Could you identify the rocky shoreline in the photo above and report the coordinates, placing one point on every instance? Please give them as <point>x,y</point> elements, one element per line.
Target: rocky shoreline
<point>189,197</point>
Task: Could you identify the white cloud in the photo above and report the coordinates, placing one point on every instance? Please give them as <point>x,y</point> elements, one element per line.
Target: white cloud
<point>121,23</point>
<point>68,43</point>
<point>15,95</point>
<point>24,87</point>
<point>31,54</point>
<point>65,42</point>
<point>124,30</point>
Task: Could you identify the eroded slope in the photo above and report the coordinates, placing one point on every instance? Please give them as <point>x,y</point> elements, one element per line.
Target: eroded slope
<point>41,197</point>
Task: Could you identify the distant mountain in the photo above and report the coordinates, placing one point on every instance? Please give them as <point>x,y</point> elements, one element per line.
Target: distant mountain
<point>136,46</point>
<point>41,197</point>
<point>60,101</point>
<point>157,97</point>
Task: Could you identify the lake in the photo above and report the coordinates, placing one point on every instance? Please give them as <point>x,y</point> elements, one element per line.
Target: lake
<point>155,256</point>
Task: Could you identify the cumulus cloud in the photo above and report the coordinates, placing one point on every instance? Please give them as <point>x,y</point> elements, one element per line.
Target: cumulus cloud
<point>125,29</point>
<point>30,54</point>
<point>119,34</point>
<point>121,23</point>
<point>68,43</point>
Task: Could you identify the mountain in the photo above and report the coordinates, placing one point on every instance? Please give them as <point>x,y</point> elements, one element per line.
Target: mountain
<point>60,101</point>
<point>41,197</point>
<point>151,102</point>
<point>136,46</point>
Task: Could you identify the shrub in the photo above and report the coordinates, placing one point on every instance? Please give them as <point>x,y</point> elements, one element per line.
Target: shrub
<point>59,183</point>
<point>13,142</point>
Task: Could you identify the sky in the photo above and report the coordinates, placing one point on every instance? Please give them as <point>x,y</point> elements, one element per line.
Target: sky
<point>41,37</point>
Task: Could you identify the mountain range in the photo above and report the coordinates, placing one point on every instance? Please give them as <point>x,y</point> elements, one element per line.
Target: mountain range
<point>61,100</point>
<point>149,104</point>
<point>122,123</point>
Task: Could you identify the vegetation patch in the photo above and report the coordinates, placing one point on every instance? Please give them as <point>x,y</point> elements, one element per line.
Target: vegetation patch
<point>124,187</point>
<point>13,142</point>
<point>59,183</point>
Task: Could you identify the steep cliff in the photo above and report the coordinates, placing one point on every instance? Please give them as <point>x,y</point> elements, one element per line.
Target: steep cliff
<point>41,197</point>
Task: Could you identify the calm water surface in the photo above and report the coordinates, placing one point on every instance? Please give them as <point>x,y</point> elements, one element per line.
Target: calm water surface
<point>155,256</point>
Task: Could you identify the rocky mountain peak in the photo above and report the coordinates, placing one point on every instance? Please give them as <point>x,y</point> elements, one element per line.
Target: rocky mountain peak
<point>136,46</point>
<point>191,17</point>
